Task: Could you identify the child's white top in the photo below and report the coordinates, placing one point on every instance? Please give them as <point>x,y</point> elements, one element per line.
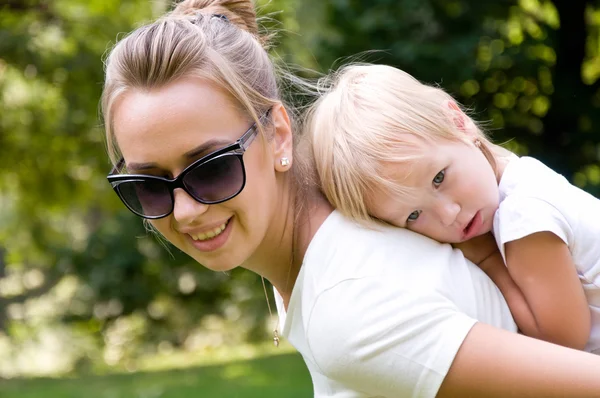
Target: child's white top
<point>534,198</point>
<point>382,313</point>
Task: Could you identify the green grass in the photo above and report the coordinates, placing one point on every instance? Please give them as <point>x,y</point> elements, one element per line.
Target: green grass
<point>283,375</point>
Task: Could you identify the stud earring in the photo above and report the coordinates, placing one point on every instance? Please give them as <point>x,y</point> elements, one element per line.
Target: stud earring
<point>477,143</point>
<point>285,162</point>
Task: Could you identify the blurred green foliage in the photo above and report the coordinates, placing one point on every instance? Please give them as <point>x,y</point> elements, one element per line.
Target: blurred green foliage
<point>82,282</point>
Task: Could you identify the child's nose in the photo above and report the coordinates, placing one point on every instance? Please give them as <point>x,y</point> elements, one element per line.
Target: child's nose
<point>448,211</point>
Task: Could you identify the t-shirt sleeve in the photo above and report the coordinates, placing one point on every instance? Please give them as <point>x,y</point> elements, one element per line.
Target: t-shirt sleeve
<point>519,216</point>
<point>387,341</point>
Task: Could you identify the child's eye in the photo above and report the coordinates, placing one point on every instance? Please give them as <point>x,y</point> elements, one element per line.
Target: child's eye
<point>413,216</point>
<point>439,177</point>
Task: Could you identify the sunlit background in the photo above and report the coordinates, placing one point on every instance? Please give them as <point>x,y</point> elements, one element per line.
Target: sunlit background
<point>91,299</point>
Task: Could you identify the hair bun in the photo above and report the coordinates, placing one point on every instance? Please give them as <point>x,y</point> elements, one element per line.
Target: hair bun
<point>238,12</point>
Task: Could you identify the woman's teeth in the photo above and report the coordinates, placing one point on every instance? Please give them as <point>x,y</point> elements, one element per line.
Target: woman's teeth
<point>210,234</point>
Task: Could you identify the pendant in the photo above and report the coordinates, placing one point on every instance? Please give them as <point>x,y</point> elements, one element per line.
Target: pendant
<point>275,338</point>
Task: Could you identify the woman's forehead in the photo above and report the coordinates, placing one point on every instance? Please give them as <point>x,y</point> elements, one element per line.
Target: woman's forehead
<point>174,121</point>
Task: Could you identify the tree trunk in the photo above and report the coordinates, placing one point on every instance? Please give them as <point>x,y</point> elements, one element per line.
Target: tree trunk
<point>571,98</point>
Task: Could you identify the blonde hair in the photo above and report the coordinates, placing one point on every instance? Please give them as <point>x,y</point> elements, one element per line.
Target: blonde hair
<point>368,117</point>
<point>213,39</point>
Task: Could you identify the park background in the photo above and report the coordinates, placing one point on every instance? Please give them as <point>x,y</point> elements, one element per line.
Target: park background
<point>92,305</point>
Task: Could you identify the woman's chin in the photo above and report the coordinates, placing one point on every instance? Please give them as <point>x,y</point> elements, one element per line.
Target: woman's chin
<point>218,267</point>
<point>217,263</point>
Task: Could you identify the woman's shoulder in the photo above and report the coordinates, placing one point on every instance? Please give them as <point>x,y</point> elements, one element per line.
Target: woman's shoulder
<point>339,230</point>
<point>341,237</point>
<point>346,250</point>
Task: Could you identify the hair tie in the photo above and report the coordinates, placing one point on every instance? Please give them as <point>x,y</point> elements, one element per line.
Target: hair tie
<point>199,15</point>
<point>220,16</point>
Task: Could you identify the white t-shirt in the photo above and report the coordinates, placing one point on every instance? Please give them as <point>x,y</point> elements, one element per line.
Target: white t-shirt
<point>534,198</point>
<point>382,313</point>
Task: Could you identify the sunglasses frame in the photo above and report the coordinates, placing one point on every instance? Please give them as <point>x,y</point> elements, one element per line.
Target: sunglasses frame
<point>236,149</point>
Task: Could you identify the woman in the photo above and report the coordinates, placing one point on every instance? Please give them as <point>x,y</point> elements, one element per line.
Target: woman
<point>204,149</point>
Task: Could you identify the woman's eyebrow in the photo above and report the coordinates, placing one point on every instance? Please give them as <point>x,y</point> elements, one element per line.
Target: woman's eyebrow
<point>208,146</point>
<point>202,149</point>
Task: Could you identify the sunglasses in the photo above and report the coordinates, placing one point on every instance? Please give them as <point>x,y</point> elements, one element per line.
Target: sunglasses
<point>215,178</point>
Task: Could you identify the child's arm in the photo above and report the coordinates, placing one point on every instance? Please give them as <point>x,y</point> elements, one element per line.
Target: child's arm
<point>542,267</point>
<point>494,267</point>
<point>483,251</point>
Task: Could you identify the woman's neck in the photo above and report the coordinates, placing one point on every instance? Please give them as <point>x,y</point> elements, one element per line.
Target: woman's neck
<point>280,255</point>
<point>310,219</point>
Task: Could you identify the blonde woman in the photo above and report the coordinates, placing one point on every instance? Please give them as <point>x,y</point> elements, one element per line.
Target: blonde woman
<point>426,166</point>
<point>203,148</point>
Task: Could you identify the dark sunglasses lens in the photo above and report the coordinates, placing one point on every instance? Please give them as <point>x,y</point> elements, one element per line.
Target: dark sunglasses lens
<point>218,179</point>
<point>146,197</point>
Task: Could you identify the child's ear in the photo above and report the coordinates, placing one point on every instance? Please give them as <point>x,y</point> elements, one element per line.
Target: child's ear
<point>282,143</point>
<point>458,117</point>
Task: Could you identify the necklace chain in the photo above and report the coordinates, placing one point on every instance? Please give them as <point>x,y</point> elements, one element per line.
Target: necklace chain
<point>275,332</point>
<point>287,283</point>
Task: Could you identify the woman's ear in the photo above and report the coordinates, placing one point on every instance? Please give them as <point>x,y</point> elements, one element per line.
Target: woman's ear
<point>282,143</point>
<point>460,120</point>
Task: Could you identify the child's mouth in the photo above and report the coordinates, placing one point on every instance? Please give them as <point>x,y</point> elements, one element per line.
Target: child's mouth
<point>471,228</point>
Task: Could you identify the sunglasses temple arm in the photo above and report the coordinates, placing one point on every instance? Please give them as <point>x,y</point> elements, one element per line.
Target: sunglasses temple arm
<point>247,139</point>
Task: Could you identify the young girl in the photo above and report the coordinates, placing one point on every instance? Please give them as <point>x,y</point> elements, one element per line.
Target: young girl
<point>389,147</point>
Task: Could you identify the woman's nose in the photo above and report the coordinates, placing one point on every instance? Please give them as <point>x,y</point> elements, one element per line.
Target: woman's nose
<point>186,209</point>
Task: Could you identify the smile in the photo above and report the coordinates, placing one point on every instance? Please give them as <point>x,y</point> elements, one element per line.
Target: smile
<point>210,234</point>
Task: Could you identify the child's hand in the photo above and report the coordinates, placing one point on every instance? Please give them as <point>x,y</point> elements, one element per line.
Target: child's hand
<point>478,249</point>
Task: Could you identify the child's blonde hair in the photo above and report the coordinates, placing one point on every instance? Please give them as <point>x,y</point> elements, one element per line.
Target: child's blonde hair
<point>370,116</point>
